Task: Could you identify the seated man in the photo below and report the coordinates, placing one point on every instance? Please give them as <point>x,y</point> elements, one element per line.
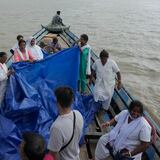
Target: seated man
<point>55,45</point>
<point>105,70</point>
<point>65,132</point>
<point>57,20</point>
<point>129,138</point>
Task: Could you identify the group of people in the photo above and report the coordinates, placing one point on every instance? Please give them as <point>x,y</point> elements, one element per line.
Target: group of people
<point>24,51</point>
<point>30,51</point>
<point>131,134</point>
<point>104,69</point>
<point>65,133</point>
<point>130,137</point>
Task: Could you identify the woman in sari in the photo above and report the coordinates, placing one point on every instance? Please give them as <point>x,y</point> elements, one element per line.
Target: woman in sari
<point>22,54</point>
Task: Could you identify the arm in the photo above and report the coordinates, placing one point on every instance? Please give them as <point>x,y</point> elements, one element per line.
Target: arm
<point>119,80</point>
<point>109,123</point>
<point>16,57</point>
<point>10,72</point>
<point>55,142</point>
<point>115,120</point>
<point>141,148</point>
<point>93,73</point>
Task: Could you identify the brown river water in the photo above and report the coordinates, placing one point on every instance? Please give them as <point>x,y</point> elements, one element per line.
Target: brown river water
<point>129,30</point>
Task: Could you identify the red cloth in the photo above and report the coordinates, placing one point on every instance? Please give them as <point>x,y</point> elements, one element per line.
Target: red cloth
<point>48,156</point>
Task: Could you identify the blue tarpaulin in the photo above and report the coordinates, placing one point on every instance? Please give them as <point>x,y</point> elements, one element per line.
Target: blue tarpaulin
<point>30,104</point>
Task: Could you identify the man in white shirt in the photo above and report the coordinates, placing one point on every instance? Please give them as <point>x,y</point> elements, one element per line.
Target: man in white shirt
<point>106,71</point>
<point>65,132</point>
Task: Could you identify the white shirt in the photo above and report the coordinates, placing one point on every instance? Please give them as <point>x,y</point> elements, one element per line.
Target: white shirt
<point>141,133</point>
<point>61,132</point>
<point>3,72</point>
<point>105,79</point>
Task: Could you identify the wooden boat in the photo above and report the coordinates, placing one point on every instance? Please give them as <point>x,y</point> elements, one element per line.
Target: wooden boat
<point>121,100</point>
<point>56,28</point>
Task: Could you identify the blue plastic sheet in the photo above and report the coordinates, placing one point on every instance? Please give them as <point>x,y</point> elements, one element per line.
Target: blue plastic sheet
<point>30,103</point>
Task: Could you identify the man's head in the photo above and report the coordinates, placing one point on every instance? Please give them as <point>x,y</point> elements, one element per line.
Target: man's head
<point>33,41</point>
<point>3,57</point>
<point>104,56</point>
<point>64,97</point>
<point>55,40</point>
<point>33,146</point>
<point>135,109</point>
<point>83,39</point>
<point>58,12</point>
<point>19,37</point>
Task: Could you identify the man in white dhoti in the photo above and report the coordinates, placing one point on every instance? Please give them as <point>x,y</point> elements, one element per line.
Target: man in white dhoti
<point>106,71</point>
<point>131,135</point>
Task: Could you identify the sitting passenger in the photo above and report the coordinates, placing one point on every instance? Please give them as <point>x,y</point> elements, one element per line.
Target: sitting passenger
<point>34,49</point>
<point>19,37</point>
<point>33,147</point>
<point>129,138</point>
<point>21,53</point>
<point>65,132</point>
<point>4,73</point>
<point>42,44</point>
<point>55,45</point>
<point>57,20</point>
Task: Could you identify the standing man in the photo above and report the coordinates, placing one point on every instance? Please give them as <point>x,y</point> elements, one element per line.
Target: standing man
<point>57,19</point>
<point>106,71</point>
<point>65,132</point>
<point>85,61</point>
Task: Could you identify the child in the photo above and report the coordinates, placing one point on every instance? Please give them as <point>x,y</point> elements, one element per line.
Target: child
<point>4,73</point>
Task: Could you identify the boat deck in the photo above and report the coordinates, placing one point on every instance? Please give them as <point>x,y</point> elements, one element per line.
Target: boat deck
<point>119,102</point>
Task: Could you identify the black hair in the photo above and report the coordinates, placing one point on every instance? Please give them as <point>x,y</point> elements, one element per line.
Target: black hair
<point>42,44</point>
<point>85,37</point>
<point>55,39</point>
<point>64,96</point>
<point>2,54</point>
<point>136,103</point>
<point>21,41</point>
<point>19,36</point>
<point>58,12</point>
<point>104,53</point>
<point>34,145</point>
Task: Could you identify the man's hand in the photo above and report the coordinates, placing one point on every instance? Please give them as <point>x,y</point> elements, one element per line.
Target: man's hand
<point>10,72</point>
<point>119,85</point>
<point>105,124</point>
